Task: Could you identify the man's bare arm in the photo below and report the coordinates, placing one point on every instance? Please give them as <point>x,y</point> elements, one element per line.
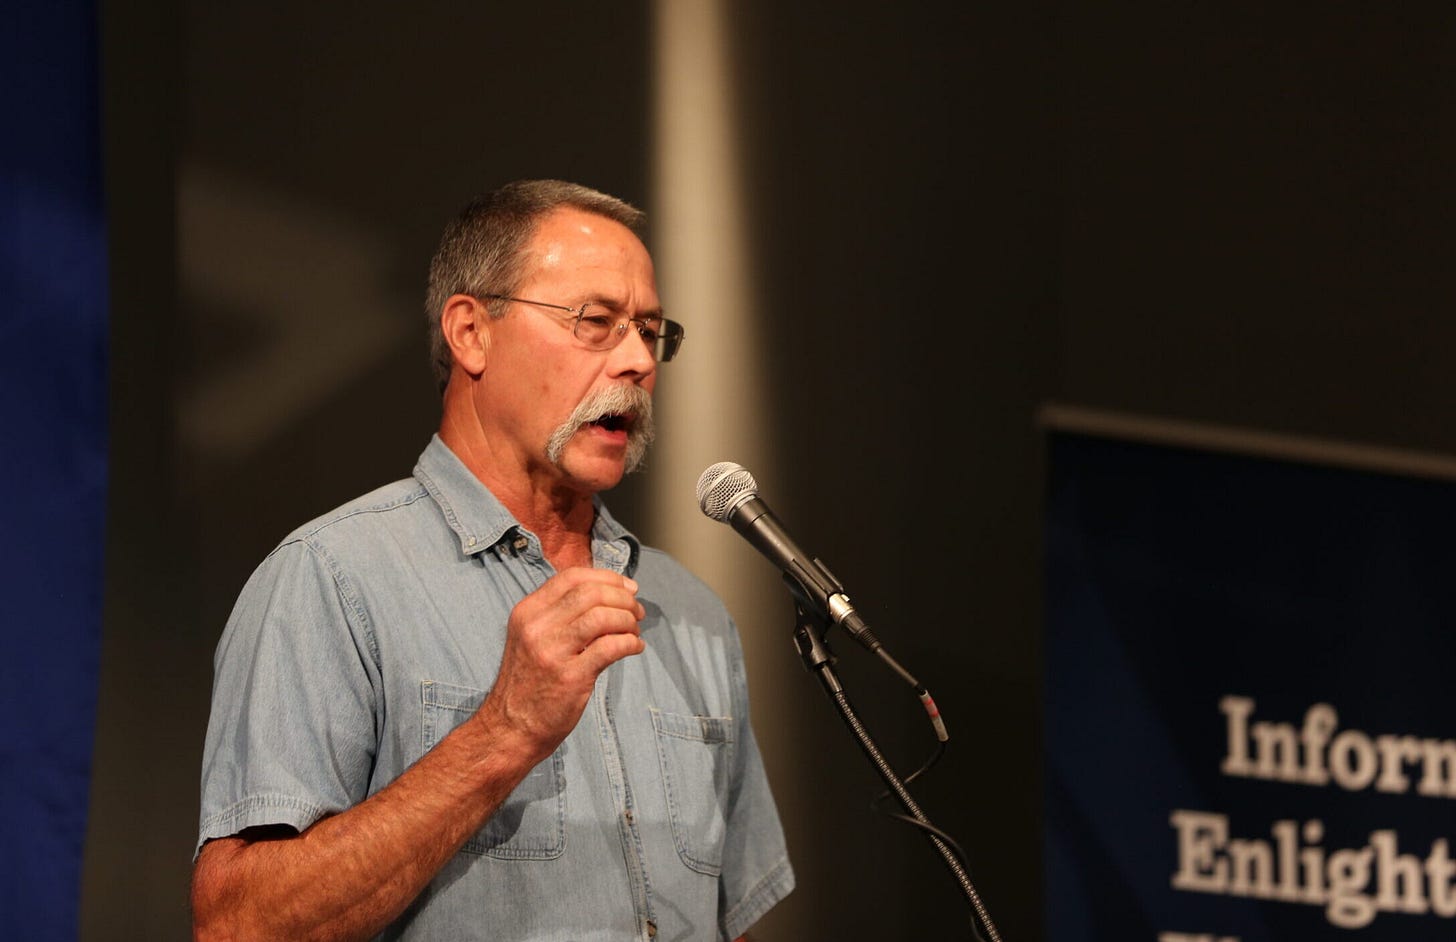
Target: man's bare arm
<point>348,876</point>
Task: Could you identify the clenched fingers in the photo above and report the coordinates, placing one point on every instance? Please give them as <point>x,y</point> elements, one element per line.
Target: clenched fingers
<point>577,608</point>
<point>559,639</point>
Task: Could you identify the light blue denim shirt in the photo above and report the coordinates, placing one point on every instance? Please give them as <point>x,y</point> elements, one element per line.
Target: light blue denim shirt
<point>368,634</point>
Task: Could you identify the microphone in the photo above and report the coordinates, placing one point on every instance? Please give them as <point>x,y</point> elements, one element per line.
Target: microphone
<point>728,493</point>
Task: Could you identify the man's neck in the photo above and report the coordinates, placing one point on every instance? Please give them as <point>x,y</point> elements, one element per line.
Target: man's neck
<point>561,517</point>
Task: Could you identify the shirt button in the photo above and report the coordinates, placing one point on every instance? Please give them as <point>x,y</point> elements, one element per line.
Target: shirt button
<point>651,929</point>
<point>628,816</point>
<point>521,543</point>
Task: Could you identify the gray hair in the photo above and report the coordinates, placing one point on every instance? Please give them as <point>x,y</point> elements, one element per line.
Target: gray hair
<point>483,249</point>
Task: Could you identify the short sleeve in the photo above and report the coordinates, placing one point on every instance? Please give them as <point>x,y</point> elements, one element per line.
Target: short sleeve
<point>292,733</point>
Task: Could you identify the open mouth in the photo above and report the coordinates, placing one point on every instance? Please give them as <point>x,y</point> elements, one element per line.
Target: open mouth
<point>614,422</point>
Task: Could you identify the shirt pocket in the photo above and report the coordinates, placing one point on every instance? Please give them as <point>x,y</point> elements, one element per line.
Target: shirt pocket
<point>531,823</point>
<point>695,753</point>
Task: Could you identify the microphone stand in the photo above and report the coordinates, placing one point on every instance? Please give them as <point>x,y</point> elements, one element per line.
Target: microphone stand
<point>819,660</point>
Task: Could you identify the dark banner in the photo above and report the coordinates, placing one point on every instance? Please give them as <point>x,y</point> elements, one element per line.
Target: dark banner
<point>1250,714</point>
<point>53,393</point>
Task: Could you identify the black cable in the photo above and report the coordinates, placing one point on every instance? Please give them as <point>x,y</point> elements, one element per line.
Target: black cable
<point>925,767</point>
<point>809,640</point>
<point>953,858</point>
<point>955,848</point>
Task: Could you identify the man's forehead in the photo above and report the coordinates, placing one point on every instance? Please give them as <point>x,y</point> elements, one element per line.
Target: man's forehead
<point>568,240</point>
<point>568,228</point>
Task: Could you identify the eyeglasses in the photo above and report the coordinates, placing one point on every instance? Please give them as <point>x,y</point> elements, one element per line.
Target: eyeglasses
<point>601,328</point>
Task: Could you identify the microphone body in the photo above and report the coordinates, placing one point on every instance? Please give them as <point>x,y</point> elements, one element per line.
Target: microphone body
<point>729,494</point>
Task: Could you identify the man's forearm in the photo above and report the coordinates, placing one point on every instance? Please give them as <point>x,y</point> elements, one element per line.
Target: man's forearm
<point>348,876</point>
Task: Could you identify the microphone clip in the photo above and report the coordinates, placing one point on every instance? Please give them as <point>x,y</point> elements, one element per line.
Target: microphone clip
<point>809,628</point>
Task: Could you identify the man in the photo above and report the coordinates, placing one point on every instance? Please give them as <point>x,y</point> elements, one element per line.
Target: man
<point>470,704</point>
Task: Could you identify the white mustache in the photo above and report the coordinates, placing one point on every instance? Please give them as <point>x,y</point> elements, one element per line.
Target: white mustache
<point>614,400</point>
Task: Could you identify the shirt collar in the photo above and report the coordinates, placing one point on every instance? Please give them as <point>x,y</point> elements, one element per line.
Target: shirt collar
<point>480,521</point>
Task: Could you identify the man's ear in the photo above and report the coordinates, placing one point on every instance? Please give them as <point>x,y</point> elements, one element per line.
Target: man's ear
<point>466,325</point>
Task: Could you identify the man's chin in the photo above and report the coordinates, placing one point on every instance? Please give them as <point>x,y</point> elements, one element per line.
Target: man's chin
<point>594,472</point>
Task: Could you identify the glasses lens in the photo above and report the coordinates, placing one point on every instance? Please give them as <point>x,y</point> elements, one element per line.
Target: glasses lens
<point>669,338</point>
<point>601,328</point>
<point>595,326</point>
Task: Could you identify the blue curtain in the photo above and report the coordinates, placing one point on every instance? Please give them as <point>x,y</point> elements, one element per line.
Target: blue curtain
<point>53,409</point>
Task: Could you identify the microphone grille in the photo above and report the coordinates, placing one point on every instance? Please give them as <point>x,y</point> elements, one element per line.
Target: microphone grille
<point>723,487</point>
